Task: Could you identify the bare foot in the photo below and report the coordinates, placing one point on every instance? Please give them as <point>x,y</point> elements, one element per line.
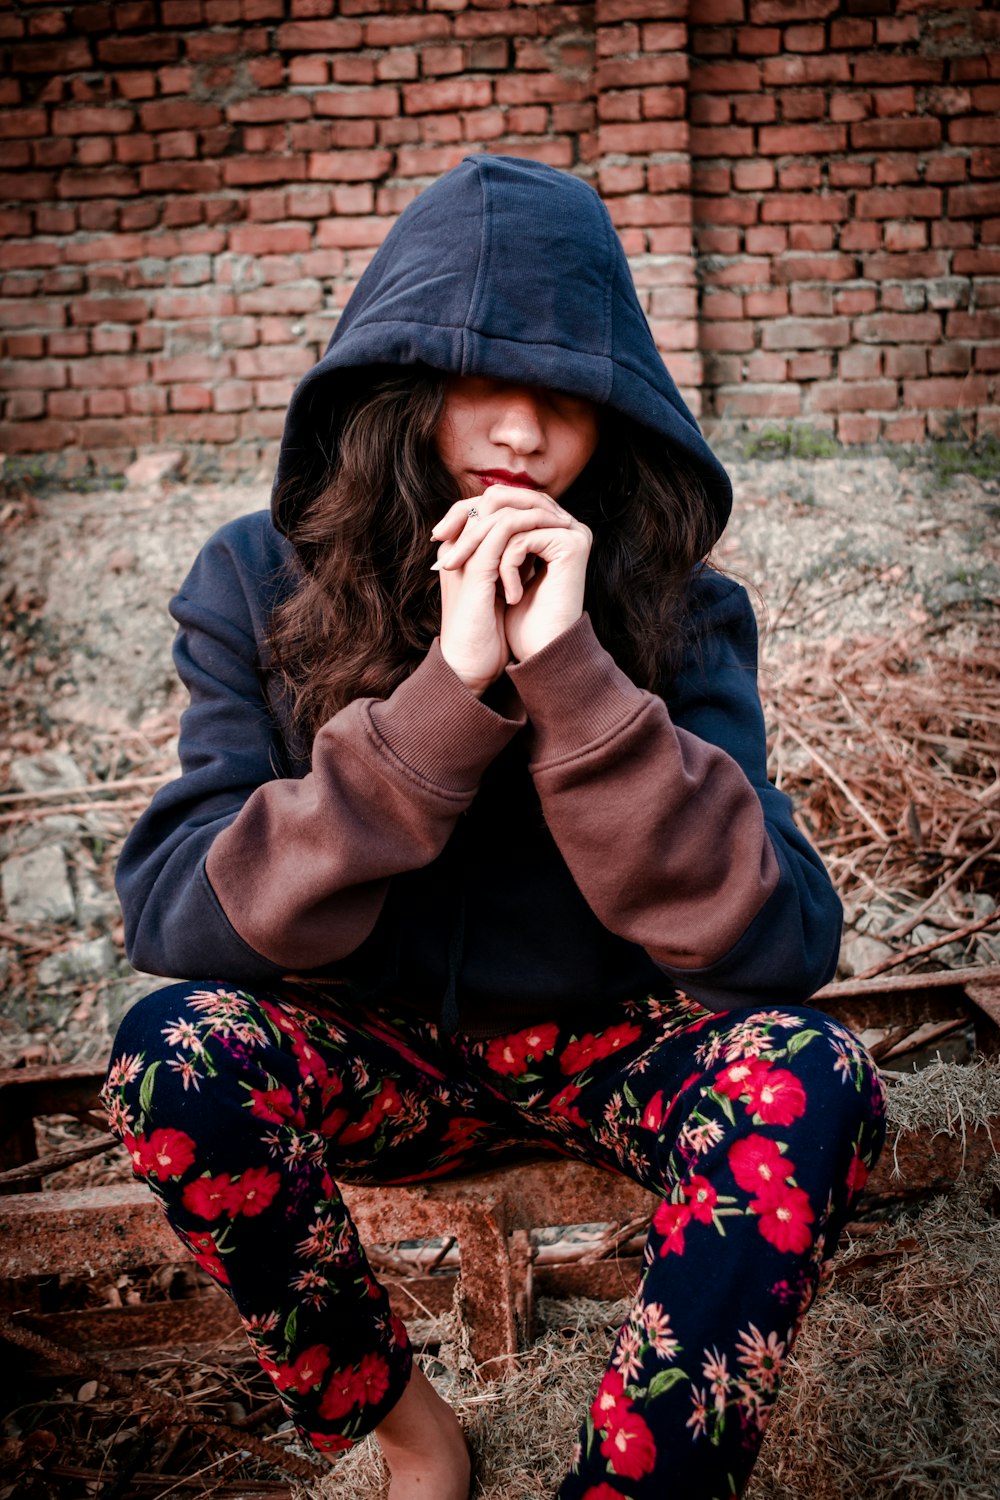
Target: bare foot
<point>423,1444</point>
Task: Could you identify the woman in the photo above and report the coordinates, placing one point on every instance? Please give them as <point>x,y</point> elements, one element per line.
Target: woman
<point>473,852</point>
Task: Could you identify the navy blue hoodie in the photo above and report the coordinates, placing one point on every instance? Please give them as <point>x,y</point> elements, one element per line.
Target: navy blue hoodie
<point>591,840</point>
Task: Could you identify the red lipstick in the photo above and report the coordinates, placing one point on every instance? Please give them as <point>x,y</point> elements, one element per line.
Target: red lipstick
<point>505,476</point>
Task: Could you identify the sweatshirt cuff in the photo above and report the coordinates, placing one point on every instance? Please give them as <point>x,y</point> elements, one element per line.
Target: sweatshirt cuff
<point>439,730</point>
<point>575,693</point>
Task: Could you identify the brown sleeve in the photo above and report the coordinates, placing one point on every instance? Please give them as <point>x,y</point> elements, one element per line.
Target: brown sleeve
<point>662,831</point>
<point>303,870</point>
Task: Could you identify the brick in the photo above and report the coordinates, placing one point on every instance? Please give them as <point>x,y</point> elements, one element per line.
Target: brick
<point>769,304</point>
<point>727,337</point>
<point>181,177</point>
<point>725,210</point>
<point>358,103</point>
<point>894,101</point>
<point>320,36</point>
<point>888,203</point>
<point>109,310</point>
<point>858,395</point>
<point>845,106</point>
<point>950,359</point>
<point>813,366</point>
<point>667,135</point>
<point>793,71</point>
<point>36,437</point>
<point>896,169</point>
<point>765,401</point>
<point>897,68</point>
<point>108,370</point>
<point>721,304</point>
<point>976,200</point>
<point>349,166</point>
<point>789,208</point>
<point>850,174</point>
<point>972,391</point>
<point>512,88</point>
<point>806,333</point>
<point>909,429</point>
<point>24,122</point>
<point>786,140</point>
<point>766,239</point>
<point>725,78</point>
<point>895,135</point>
<point>97,184</point>
<point>713,109</point>
<point>908,266</point>
<point>250,171</point>
<point>904,236</point>
<point>851,35</point>
<point>811,301</point>
<point>860,362</point>
<point>711,177</point>
<point>853,429</point>
<point>719,141</point>
<point>25,187</point>
<point>978,325</point>
<point>758,41</point>
<point>753,176</point>
<point>803,104</point>
<point>141,51</point>
<point>898,328</point>
<point>30,312</point>
<point>51,57</point>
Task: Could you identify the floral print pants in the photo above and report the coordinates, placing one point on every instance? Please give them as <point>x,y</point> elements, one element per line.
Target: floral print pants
<point>755,1128</point>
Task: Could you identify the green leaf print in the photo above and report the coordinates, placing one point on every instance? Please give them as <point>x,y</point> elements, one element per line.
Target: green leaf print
<point>725,1104</point>
<point>798,1041</point>
<point>146,1088</point>
<point>291,1325</point>
<point>664,1381</point>
<point>630,1097</point>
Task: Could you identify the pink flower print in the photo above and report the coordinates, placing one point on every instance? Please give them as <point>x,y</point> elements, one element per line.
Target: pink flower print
<point>208,1197</point>
<point>306,1371</point>
<point>627,1358</point>
<point>671,1220</point>
<point>762,1358</point>
<point>757,1164</point>
<point>719,1379</point>
<point>701,1197</point>
<point>252,1192</point>
<point>659,1332</point>
<point>698,1420</point>
<point>166,1153</point>
<point>580,1053</point>
<point>124,1070</point>
<point>778,1097</point>
<point>629,1447</point>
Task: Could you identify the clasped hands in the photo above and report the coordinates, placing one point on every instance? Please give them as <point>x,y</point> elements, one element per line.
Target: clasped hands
<point>513,566</point>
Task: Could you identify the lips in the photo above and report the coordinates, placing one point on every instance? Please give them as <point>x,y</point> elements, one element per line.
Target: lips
<point>506,476</point>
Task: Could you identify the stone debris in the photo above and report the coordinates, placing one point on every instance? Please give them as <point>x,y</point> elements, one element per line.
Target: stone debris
<point>36,887</point>
<point>154,468</point>
<point>96,959</point>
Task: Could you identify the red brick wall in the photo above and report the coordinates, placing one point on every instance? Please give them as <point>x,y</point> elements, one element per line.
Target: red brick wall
<point>189,189</point>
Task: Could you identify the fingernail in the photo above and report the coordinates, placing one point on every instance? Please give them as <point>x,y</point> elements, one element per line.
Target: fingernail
<point>435,567</point>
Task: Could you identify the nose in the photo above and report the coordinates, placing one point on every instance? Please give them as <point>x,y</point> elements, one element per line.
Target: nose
<point>518,421</point>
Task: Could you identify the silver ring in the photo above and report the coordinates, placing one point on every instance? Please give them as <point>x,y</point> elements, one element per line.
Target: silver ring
<point>472,512</point>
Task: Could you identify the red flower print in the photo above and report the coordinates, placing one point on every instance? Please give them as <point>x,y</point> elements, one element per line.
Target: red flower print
<point>654,1114</point>
<point>203,1248</point>
<point>166,1153</point>
<point>512,1054</point>
<point>386,1102</point>
<point>307,1371</point>
<point>629,1447</point>
<point>785,1216</point>
<point>610,1403</point>
<point>276,1105</point>
<point>739,1078</point>
<point>757,1164</point>
<point>602,1492</point>
<point>333,1122</point>
<point>857,1175</point>
<point>564,1104</point>
<point>373,1379</point>
<point>329,1442</point>
<point>208,1197</point>
<point>255,1190</point>
<point>701,1196</point>
<point>671,1220</point>
<point>581,1053</point>
<point>778,1097</point>
<point>338,1397</point>
<point>461,1133</point>
<point>361,1387</point>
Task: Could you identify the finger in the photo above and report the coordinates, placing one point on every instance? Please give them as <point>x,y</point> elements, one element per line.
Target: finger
<point>489,535</point>
<point>455,517</point>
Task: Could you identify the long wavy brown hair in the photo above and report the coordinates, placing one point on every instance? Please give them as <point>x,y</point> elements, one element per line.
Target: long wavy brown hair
<point>365,607</point>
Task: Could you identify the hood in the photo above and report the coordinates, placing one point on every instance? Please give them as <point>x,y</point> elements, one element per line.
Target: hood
<point>511,269</point>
